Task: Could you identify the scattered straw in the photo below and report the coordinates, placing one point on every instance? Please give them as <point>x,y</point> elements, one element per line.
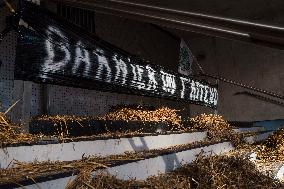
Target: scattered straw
<point>21,171</point>
<point>163,114</point>
<point>272,148</point>
<point>141,114</point>
<point>215,172</point>
<point>25,171</point>
<point>217,127</point>
<point>11,133</point>
<point>61,122</point>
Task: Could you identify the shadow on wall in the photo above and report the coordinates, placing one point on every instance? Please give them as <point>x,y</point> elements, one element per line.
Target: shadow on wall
<point>267,124</point>
<point>171,162</point>
<point>261,97</point>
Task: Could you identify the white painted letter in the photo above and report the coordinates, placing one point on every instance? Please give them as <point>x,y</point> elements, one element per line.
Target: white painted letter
<point>183,81</point>
<point>193,91</point>
<point>212,96</point>
<point>137,76</point>
<point>103,64</point>
<point>201,88</point>
<point>49,64</point>
<point>216,97</point>
<point>82,55</point>
<point>152,84</point>
<point>197,94</point>
<point>206,88</point>
<point>121,69</point>
<point>169,83</point>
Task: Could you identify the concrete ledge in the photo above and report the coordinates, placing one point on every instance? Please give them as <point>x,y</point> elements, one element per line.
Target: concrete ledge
<point>280,173</point>
<point>75,150</point>
<point>248,129</point>
<point>145,168</point>
<point>153,166</point>
<point>258,137</point>
<point>52,184</point>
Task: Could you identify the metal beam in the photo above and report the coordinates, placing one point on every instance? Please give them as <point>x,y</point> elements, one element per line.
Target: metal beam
<point>260,34</point>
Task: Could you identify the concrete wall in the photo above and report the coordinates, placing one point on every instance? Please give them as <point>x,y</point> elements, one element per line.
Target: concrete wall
<point>68,100</point>
<point>140,39</point>
<point>7,56</point>
<point>249,64</point>
<point>252,65</point>
<point>12,90</point>
<point>36,99</point>
<point>257,66</point>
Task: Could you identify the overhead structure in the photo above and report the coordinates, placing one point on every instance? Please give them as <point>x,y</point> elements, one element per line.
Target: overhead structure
<point>260,34</point>
<point>63,54</point>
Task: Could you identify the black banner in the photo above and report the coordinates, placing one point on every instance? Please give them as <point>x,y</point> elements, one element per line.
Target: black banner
<point>52,51</point>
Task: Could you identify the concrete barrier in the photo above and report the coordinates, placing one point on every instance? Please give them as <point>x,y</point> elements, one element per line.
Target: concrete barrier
<point>75,150</point>
<point>248,129</point>
<point>280,173</point>
<point>145,168</point>
<point>258,137</point>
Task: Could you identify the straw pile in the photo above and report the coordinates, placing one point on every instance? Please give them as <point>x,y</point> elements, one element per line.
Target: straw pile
<point>22,171</point>
<point>210,173</point>
<point>60,122</point>
<point>216,126</point>
<point>119,113</point>
<point>63,118</point>
<point>163,114</point>
<point>11,133</point>
<point>273,148</point>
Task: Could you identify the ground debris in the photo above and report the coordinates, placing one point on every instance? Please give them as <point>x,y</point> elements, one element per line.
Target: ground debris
<point>11,133</point>
<point>204,173</point>
<point>162,114</point>
<point>21,171</point>
<point>272,149</point>
<point>217,128</point>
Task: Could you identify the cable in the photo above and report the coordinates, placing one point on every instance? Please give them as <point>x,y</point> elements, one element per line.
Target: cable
<point>202,73</point>
<point>260,97</point>
<point>244,86</point>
